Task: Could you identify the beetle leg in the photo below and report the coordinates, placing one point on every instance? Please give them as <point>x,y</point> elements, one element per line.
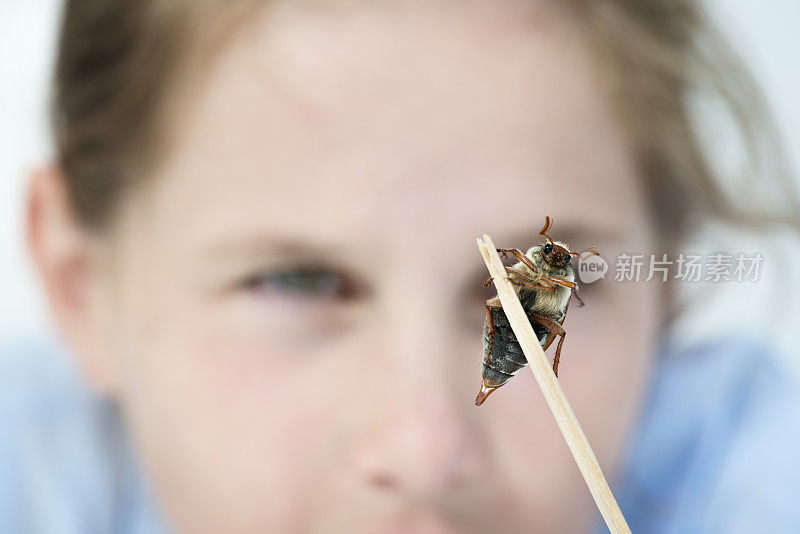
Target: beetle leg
<point>546,286</point>
<point>562,282</point>
<point>578,297</point>
<point>534,286</point>
<point>558,354</point>
<point>509,270</point>
<point>519,255</point>
<point>557,329</point>
<point>504,252</point>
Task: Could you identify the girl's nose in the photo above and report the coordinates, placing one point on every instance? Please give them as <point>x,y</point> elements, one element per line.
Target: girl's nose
<point>422,438</point>
<point>423,448</point>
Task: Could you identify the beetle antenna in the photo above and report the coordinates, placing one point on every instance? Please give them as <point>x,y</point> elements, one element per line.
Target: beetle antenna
<point>591,249</point>
<point>548,223</point>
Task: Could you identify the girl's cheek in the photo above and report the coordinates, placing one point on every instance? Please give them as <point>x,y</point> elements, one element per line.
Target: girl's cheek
<point>293,325</point>
<point>225,402</point>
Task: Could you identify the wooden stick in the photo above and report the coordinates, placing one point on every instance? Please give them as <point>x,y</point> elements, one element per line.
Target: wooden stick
<point>553,394</point>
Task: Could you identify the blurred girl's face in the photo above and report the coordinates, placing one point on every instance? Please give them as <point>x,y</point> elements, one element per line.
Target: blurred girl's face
<point>296,296</point>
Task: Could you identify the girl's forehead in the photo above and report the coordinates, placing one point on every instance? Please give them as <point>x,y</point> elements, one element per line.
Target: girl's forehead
<point>336,125</point>
<point>370,65</point>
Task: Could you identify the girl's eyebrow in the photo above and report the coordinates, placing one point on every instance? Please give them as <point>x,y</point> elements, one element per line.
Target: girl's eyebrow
<point>260,245</point>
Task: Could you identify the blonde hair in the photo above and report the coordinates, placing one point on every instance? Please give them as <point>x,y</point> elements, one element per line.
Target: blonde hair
<point>666,58</point>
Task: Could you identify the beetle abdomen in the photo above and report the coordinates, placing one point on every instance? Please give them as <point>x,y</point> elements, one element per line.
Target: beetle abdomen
<point>502,355</point>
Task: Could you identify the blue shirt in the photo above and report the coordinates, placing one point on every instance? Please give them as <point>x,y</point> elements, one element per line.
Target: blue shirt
<point>715,450</point>
<point>65,465</point>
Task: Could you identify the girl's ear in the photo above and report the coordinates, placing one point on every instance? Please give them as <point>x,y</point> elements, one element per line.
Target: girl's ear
<point>66,258</point>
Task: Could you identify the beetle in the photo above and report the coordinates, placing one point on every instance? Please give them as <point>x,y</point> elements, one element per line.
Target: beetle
<point>544,281</point>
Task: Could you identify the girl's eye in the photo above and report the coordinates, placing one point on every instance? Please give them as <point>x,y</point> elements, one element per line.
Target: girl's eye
<point>305,282</point>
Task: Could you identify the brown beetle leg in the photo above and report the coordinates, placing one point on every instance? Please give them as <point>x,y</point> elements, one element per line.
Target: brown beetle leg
<point>519,255</point>
<point>509,270</point>
<point>562,282</point>
<point>535,285</point>
<point>557,329</point>
<point>578,297</point>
